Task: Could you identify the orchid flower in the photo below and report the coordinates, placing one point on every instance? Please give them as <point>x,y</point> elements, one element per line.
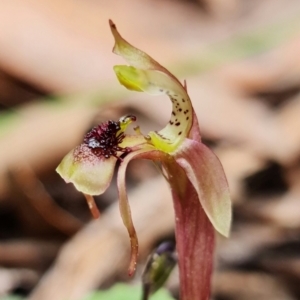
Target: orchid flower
<point>195,175</point>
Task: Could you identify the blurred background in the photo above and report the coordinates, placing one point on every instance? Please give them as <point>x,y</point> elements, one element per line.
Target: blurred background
<point>241,60</point>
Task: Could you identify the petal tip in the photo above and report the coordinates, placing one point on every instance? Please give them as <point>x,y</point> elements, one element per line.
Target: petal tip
<point>131,269</point>
<point>221,216</point>
<point>111,23</point>
<point>113,27</point>
<point>224,228</point>
<point>116,35</point>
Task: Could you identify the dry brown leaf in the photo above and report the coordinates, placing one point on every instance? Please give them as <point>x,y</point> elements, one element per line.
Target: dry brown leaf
<point>101,249</point>
<point>250,285</point>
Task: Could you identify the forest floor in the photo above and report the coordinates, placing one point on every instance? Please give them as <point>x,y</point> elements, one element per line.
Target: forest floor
<point>242,66</point>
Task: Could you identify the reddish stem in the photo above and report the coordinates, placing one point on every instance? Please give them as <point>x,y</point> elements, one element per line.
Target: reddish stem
<point>195,245</point>
<point>194,239</point>
<point>92,206</point>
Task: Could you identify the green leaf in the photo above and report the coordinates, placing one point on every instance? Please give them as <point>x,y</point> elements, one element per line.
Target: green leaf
<point>127,292</point>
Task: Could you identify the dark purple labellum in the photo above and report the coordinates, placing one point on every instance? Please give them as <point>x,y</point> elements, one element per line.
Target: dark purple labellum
<point>105,138</point>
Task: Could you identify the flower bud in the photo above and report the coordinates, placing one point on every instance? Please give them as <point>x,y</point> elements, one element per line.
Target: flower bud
<point>158,268</point>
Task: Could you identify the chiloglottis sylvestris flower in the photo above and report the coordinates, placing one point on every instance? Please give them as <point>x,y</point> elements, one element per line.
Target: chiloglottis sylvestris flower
<point>195,175</point>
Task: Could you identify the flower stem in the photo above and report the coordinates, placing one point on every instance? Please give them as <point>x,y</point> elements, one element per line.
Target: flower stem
<point>92,206</point>
<point>195,245</point>
<point>194,239</point>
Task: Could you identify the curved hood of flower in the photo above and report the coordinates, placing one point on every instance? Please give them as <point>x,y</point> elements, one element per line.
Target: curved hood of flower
<point>181,137</point>
<point>146,75</point>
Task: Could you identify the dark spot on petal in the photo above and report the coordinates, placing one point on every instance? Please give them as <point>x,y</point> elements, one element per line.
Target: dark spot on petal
<point>177,124</point>
<point>187,118</point>
<point>173,113</point>
<point>160,135</point>
<point>171,122</point>
<point>180,133</point>
<point>104,140</point>
<point>180,109</point>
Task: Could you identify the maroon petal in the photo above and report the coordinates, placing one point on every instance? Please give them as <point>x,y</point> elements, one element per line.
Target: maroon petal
<point>147,153</point>
<point>206,173</point>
